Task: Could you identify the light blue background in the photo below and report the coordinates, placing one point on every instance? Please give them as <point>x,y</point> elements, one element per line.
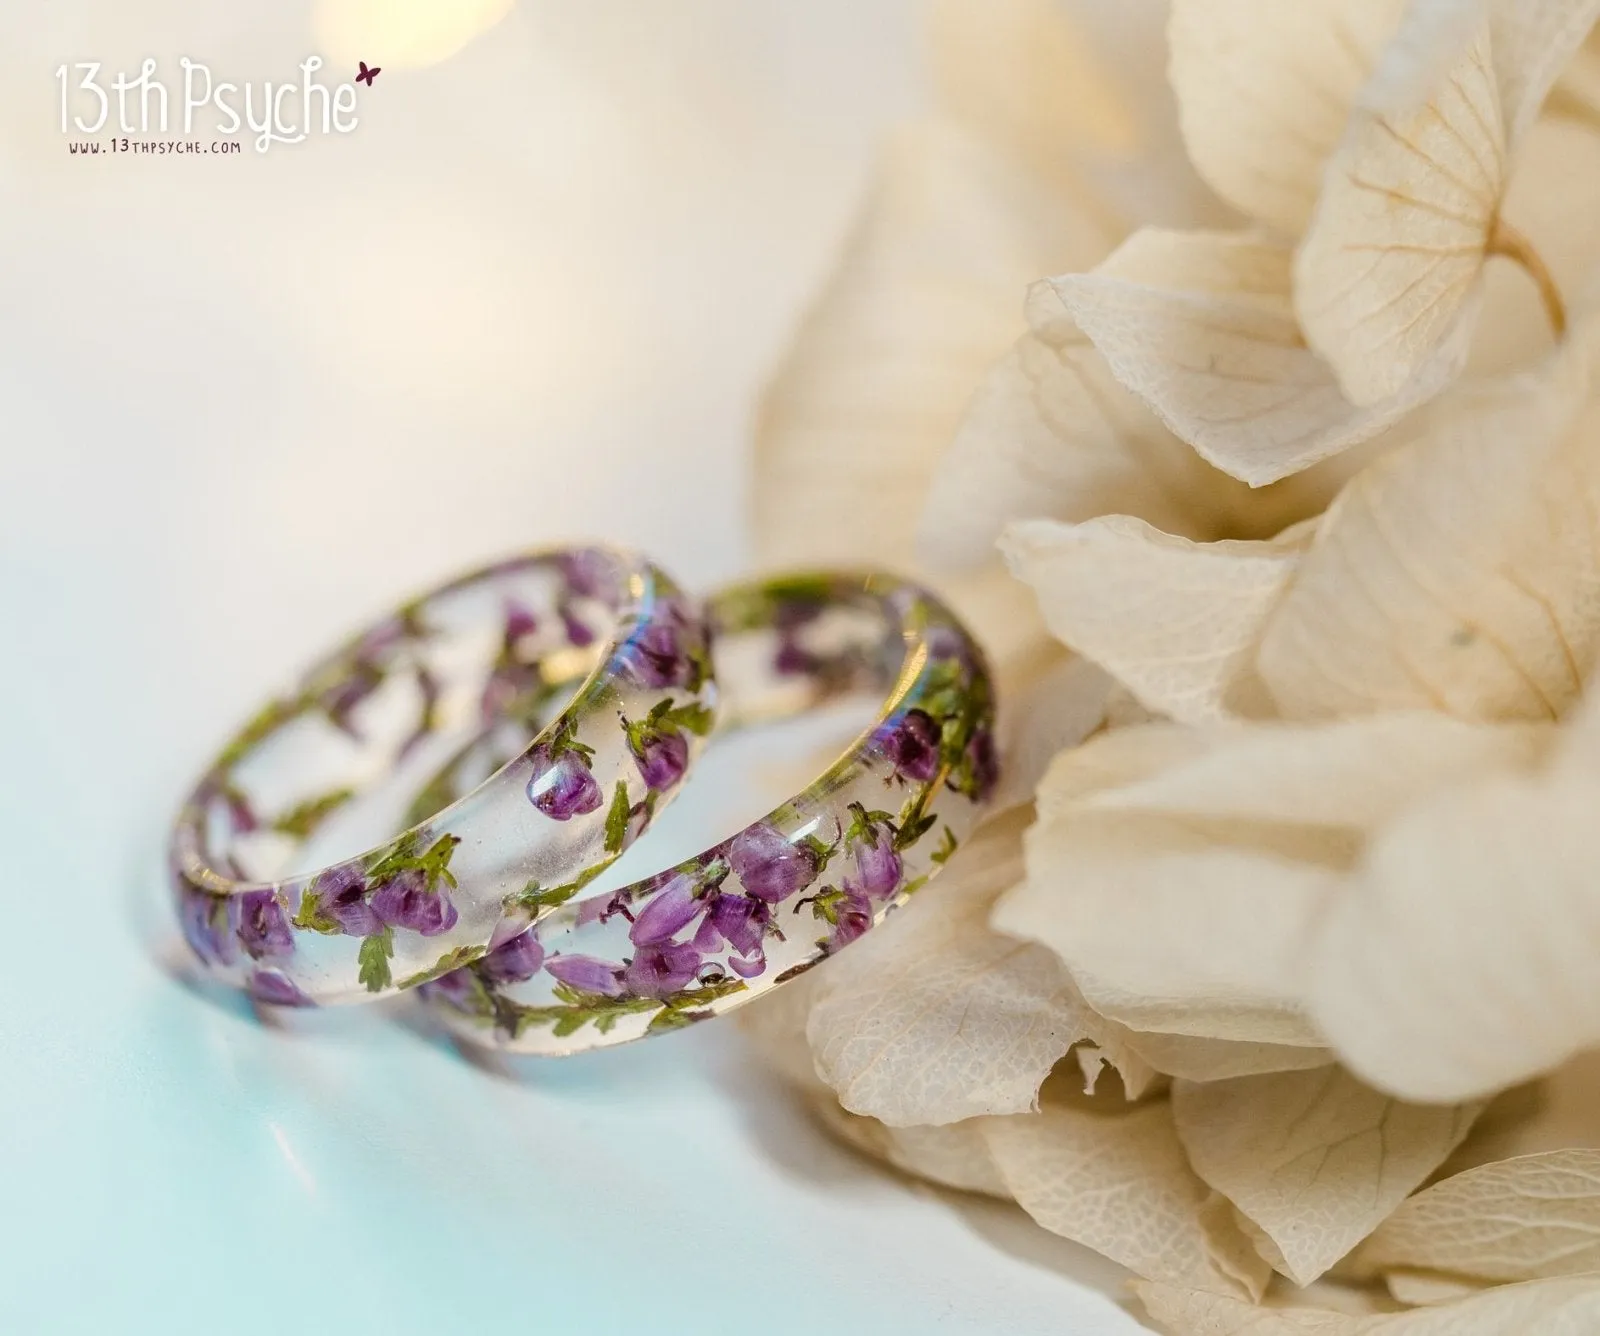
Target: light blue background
<point>244,404</point>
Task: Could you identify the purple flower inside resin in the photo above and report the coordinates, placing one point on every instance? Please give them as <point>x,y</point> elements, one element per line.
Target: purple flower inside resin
<point>667,911</point>
<point>662,757</point>
<point>654,657</point>
<point>406,902</point>
<point>207,922</point>
<point>340,701</point>
<point>561,786</point>
<point>661,969</point>
<point>911,742</point>
<point>878,866</point>
<point>792,659</point>
<point>455,989</point>
<point>264,932</point>
<point>768,865</point>
<point>515,961</point>
<point>277,989</point>
<point>852,917</point>
<point>737,920</point>
<point>341,896</point>
<point>983,758</point>
<point>585,973</point>
<point>590,573</point>
<point>579,633</point>
<point>240,813</point>
<point>519,623</point>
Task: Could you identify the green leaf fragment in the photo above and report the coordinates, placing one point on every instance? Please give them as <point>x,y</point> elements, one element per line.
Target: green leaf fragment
<point>617,819</point>
<point>947,846</point>
<point>303,819</point>
<point>449,961</point>
<point>533,898</point>
<point>694,717</point>
<point>434,864</point>
<point>374,957</point>
<point>311,917</point>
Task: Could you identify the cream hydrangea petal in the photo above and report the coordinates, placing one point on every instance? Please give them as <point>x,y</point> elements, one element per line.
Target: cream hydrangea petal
<point>1533,42</point>
<point>1186,1058</point>
<point>1460,572</point>
<point>1389,265</point>
<point>1314,1159</point>
<point>1119,1183</point>
<point>1154,180</point>
<point>1175,871</point>
<point>1355,773</point>
<point>925,299</point>
<point>1548,1307</point>
<point>1180,927</point>
<point>1553,199</point>
<point>1174,621</point>
<point>1022,73</point>
<point>1460,959</point>
<point>1201,326</point>
<point>934,1018</point>
<point>1265,89</point>
<point>1418,1288</point>
<point>1049,705</point>
<point>1051,434</point>
<point>1110,760</point>
<point>1522,1219</point>
<point>1172,932</point>
<point>955,1155</point>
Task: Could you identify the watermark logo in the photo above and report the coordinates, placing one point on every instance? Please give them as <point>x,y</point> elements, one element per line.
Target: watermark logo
<point>93,102</point>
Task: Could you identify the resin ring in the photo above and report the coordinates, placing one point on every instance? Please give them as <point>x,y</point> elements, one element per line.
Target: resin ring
<point>795,887</point>
<point>325,769</point>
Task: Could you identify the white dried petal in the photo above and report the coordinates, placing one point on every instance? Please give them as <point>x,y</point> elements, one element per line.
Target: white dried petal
<point>925,299</point>
<point>1049,705</point>
<point>1389,269</point>
<point>1416,1289</point>
<point>1554,197</point>
<point>1389,265</point>
<point>1547,1307</point>
<point>1173,927</point>
<point>1522,1219</point>
<point>1176,622</point>
<point>1119,1183</point>
<point>1460,959</point>
<point>1314,1159</point>
<point>1051,434</point>
<point>1184,1057</point>
<point>1023,74</point>
<point>1177,870</point>
<point>1201,326</point>
<point>934,1018</point>
<point>1265,90</point>
<point>953,1156</point>
<point>1354,773</point>
<point>1533,42</point>
<point>1114,759</point>
<point>1460,572</point>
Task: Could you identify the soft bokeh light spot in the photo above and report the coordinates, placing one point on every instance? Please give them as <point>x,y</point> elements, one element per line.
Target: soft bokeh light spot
<point>402,34</point>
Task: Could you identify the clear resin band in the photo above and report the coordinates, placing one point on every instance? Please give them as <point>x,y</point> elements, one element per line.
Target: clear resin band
<point>331,767</point>
<point>796,886</point>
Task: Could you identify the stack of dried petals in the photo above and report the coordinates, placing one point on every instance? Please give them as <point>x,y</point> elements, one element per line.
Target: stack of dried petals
<point>1235,366</point>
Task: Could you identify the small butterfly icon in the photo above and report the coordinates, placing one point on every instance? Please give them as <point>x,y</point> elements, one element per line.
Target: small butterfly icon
<point>367,76</point>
